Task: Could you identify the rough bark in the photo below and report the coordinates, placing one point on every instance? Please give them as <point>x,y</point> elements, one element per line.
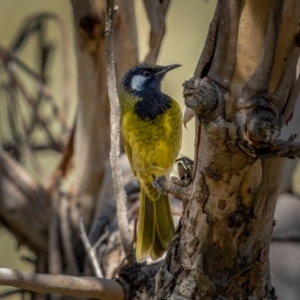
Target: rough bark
<point>79,287</point>
<point>221,246</point>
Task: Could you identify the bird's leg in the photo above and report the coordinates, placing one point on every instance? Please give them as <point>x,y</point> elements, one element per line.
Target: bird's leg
<point>179,187</point>
<point>152,193</point>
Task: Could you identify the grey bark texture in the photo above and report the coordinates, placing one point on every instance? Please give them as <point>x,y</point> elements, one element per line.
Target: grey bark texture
<point>221,246</point>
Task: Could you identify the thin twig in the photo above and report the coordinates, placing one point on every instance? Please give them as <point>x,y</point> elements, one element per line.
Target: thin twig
<point>66,61</point>
<point>66,236</point>
<point>54,254</point>
<point>102,238</point>
<point>34,23</point>
<point>85,287</point>
<point>91,251</point>
<point>7,56</point>
<point>120,195</point>
<point>31,101</point>
<point>41,267</point>
<point>14,110</point>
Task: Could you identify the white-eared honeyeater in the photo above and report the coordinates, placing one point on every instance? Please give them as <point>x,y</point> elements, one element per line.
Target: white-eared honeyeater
<point>151,127</point>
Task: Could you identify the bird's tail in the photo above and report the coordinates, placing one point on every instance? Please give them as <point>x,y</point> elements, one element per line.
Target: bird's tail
<point>155,227</point>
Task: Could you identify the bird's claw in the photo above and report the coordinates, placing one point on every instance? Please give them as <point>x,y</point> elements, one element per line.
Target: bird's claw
<point>184,165</point>
<point>157,183</point>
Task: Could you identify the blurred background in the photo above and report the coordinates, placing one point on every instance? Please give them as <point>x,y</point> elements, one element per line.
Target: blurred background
<point>187,25</point>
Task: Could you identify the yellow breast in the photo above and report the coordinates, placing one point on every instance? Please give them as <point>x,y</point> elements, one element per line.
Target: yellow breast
<point>153,145</point>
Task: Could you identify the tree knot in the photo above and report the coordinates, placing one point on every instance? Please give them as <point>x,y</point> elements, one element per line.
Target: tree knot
<point>201,96</point>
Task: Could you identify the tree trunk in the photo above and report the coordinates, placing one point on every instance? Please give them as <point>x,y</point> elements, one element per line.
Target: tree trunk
<point>92,140</point>
<point>243,91</point>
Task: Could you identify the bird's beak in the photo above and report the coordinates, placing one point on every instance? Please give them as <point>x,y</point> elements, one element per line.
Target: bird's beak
<point>163,70</point>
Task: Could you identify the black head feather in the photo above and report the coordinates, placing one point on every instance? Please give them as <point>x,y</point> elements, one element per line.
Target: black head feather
<point>144,82</point>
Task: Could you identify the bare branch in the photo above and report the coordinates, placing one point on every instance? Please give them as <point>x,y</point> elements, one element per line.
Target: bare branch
<point>30,100</point>
<point>101,239</point>
<point>91,251</point>
<point>66,234</point>
<point>18,213</point>
<point>206,57</point>
<point>87,287</point>
<point>6,56</point>
<point>28,28</point>
<point>17,174</point>
<point>66,61</point>
<point>120,195</point>
<point>54,253</point>
<point>156,13</point>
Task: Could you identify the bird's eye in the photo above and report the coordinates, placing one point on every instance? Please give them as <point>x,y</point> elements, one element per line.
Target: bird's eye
<point>146,74</point>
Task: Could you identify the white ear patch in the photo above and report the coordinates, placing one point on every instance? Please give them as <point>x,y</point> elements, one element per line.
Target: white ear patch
<point>137,82</point>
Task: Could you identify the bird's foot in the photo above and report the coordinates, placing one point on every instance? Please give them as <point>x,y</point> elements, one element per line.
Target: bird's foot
<point>157,184</point>
<point>184,166</point>
<point>181,189</point>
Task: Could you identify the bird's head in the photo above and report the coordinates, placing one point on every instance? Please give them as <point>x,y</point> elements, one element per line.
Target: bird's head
<point>144,77</point>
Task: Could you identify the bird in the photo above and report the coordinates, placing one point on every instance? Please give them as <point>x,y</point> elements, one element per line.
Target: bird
<point>151,125</point>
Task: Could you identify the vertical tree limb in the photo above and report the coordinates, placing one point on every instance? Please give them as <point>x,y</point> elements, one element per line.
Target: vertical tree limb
<point>66,233</point>
<point>221,246</point>
<point>92,121</point>
<point>55,263</point>
<point>115,121</point>
<point>156,13</point>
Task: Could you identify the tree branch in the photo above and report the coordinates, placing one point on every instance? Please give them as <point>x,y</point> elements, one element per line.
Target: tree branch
<point>66,234</point>
<point>120,195</point>
<point>90,250</point>
<point>29,27</point>
<point>16,173</point>
<point>19,215</point>
<point>156,13</point>
<point>86,287</point>
<point>7,56</point>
